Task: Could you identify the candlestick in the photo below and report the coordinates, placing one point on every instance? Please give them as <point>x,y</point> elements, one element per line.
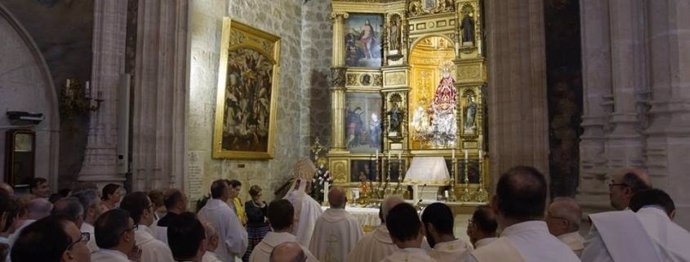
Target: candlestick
<point>377,154</point>
<point>453,154</point>
<point>389,155</point>
<point>399,154</point>
<point>465,154</point>
<point>87,90</point>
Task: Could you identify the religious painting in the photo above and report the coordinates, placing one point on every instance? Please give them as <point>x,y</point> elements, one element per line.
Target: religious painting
<point>462,169</point>
<point>363,170</point>
<point>247,85</point>
<point>363,125</point>
<point>395,169</point>
<point>363,40</point>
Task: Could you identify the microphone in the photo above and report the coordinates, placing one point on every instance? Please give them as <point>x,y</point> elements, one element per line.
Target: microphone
<point>419,202</point>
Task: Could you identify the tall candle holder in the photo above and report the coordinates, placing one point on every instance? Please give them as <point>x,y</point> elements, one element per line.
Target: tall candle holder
<point>465,197</point>
<point>481,195</point>
<point>453,169</point>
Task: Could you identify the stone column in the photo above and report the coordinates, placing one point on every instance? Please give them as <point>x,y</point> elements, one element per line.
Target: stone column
<point>517,105</point>
<point>338,83</point>
<point>628,79</point>
<point>668,138</point>
<point>596,79</point>
<point>100,157</point>
<point>160,96</point>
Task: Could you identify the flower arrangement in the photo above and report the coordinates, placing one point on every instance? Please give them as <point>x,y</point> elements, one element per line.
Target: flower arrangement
<point>318,183</point>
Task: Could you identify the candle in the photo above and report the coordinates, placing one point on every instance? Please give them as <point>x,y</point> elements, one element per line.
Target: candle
<point>453,154</point>
<point>87,90</point>
<point>389,155</point>
<point>399,154</point>
<point>465,154</point>
<point>445,193</point>
<point>377,154</point>
<point>325,191</point>
<point>481,156</point>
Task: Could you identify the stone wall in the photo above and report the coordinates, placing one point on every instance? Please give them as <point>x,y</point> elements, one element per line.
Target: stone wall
<point>280,17</point>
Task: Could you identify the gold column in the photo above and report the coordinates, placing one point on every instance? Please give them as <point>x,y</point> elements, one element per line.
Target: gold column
<point>338,83</point>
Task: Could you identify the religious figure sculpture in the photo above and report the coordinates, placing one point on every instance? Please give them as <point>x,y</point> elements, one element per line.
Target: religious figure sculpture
<point>470,116</point>
<point>467,27</point>
<point>420,119</point>
<point>443,106</point>
<point>394,41</point>
<point>395,116</point>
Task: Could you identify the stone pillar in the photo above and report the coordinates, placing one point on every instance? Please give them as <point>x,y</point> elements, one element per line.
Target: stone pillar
<point>160,97</point>
<point>517,106</point>
<point>100,157</point>
<point>596,79</point>
<point>668,138</point>
<point>628,78</point>
<point>338,83</point>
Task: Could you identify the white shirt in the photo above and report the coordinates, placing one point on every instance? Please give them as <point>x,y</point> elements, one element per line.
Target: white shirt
<point>373,247</point>
<point>574,241</point>
<point>210,257</point>
<point>109,255</point>
<point>152,249</point>
<point>534,242</point>
<point>159,232</point>
<point>450,251</point>
<point>484,241</point>
<point>87,228</point>
<point>409,254</point>
<point>309,212</point>
<point>335,234</point>
<point>262,251</point>
<point>231,235</point>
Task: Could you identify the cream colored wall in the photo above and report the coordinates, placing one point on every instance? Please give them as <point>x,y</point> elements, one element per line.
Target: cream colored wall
<point>282,18</point>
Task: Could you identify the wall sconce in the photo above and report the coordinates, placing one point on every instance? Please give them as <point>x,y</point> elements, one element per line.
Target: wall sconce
<point>76,98</point>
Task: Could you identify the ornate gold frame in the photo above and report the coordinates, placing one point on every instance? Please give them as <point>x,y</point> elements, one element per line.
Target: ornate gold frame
<point>238,35</point>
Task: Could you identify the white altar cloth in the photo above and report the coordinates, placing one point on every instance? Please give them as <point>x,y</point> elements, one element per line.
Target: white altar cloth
<point>428,170</point>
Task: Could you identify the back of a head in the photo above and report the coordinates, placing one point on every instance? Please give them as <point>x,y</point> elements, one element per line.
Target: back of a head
<point>39,208</point>
<point>44,240</point>
<point>88,198</point>
<point>567,208</point>
<point>280,214</point>
<point>403,222</point>
<point>5,187</point>
<point>440,216</point>
<point>484,219</point>
<point>110,226</point>
<point>218,188</point>
<point>653,197</point>
<point>336,197</point>
<point>35,182</point>
<point>288,252</point>
<point>69,207</point>
<point>172,197</point>
<point>234,183</point>
<point>135,203</point>
<point>636,180</point>
<point>109,189</point>
<point>389,203</point>
<point>185,236</point>
<point>521,194</point>
<point>156,197</point>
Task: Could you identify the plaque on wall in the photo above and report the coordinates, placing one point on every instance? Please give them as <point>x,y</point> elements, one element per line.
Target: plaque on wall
<point>363,40</point>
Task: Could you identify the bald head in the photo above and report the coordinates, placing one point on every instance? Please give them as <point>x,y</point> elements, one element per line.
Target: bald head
<point>389,203</point>
<point>625,183</point>
<point>563,216</point>
<point>39,208</point>
<point>336,197</point>
<point>6,188</point>
<point>288,252</point>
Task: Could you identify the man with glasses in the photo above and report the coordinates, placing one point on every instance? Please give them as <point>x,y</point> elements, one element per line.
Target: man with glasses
<point>115,237</point>
<point>53,238</point>
<point>624,184</point>
<point>563,219</point>
<point>481,228</point>
<point>141,210</point>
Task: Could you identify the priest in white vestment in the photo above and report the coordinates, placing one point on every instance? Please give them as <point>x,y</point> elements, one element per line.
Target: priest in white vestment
<point>232,236</point>
<point>378,244</point>
<point>647,235</point>
<point>407,233</point>
<point>115,236</point>
<point>438,222</point>
<point>92,209</point>
<point>281,217</point>
<point>519,203</point>
<point>140,209</point>
<point>307,210</point>
<point>336,231</point>
<point>481,228</point>
<point>563,219</point>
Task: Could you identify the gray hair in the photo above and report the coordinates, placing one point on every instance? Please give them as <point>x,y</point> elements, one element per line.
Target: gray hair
<point>69,207</point>
<point>87,198</point>
<point>389,203</point>
<point>567,208</point>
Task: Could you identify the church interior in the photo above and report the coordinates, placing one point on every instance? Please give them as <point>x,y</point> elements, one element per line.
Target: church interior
<point>431,100</point>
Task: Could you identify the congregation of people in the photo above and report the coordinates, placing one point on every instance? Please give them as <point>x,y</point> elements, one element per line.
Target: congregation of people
<point>87,224</point>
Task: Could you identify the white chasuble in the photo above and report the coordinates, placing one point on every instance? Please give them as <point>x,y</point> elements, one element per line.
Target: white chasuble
<point>152,249</point>
<point>450,251</point>
<point>335,234</point>
<point>307,211</point>
<point>373,247</point>
<point>262,251</point>
<point>409,255</point>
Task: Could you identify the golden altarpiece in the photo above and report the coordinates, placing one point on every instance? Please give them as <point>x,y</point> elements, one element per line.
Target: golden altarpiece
<point>407,90</point>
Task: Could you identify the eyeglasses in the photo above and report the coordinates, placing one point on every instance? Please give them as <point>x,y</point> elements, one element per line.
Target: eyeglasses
<point>611,185</point>
<point>133,228</point>
<point>84,238</point>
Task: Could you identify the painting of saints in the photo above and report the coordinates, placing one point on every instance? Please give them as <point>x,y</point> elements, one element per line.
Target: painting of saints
<point>363,40</point>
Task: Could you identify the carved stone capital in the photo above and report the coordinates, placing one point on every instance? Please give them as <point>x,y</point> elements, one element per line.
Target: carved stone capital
<point>335,15</point>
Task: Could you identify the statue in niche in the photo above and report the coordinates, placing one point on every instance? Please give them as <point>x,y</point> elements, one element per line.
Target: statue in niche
<point>443,107</point>
<point>420,119</point>
<point>467,27</point>
<point>395,116</point>
<point>470,116</point>
<point>394,40</point>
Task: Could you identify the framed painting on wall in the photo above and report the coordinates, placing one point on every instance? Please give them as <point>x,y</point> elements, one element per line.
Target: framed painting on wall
<point>246,99</point>
<point>363,46</point>
<point>363,133</point>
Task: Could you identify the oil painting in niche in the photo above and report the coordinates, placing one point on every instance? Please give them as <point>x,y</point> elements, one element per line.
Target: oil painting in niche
<point>363,40</point>
<point>245,111</point>
<point>363,123</point>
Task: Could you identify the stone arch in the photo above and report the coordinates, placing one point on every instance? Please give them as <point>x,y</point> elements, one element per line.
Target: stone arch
<point>26,85</point>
